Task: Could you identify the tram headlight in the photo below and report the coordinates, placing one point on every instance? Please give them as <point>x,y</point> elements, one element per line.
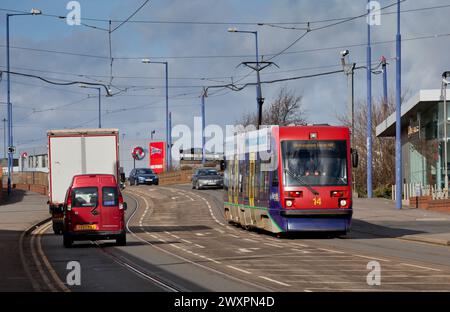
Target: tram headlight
<point>289,203</point>
<point>343,203</point>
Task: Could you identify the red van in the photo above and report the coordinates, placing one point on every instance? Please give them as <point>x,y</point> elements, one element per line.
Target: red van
<point>94,210</point>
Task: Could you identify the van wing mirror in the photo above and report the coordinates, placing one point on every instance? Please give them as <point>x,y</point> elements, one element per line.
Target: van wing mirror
<point>355,158</point>
<point>125,206</point>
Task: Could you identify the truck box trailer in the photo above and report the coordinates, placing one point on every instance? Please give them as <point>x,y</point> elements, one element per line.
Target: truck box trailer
<point>78,151</point>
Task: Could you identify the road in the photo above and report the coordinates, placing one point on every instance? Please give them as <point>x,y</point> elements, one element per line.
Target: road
<point>178,241</point>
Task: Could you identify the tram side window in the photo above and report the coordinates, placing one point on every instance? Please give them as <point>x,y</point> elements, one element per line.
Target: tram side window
<point>275,178</point>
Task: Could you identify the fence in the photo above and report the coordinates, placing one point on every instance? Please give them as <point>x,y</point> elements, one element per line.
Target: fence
<point>415,190</point>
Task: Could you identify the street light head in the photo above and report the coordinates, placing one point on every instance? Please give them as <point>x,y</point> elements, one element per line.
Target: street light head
<point>146,61</point>
<point>345,53</point>
<point>36,11</point>
<point>445,74</point>
<point>232,29</point>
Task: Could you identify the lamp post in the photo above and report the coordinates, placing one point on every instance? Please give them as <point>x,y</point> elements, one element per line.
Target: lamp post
<point>385,89</point>
<point>445,83</point>
<point>259,98</point>
<point>398,116</point>
<point>4,138</point>
<point>99,103</point>
<point>204,94</point>
<point>349,70</point>
<point>369,111</point>
<point>169,155</point>
<point>8,68</point>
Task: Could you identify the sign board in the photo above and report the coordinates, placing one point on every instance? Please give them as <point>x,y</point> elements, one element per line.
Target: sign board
<point>157,156</point>
<point>138,153</point>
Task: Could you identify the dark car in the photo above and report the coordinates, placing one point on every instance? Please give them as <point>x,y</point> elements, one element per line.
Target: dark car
<point>206,178</point>
<point>143,176</point>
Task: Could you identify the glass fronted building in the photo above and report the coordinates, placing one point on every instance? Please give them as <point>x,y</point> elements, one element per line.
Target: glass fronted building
<point>423,138</point>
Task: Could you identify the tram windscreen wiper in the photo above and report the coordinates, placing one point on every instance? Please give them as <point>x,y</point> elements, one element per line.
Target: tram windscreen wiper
<point>301,181</point>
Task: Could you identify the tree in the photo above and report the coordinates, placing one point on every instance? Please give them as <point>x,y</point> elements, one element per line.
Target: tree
<point>383,149</point>
<point>286,109</point>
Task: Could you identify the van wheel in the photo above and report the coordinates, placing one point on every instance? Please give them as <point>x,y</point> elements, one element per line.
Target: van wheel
<point>122,240</point>
<point>67,241</point>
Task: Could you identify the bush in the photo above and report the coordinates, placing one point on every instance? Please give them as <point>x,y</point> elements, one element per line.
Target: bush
<point>384,191</point>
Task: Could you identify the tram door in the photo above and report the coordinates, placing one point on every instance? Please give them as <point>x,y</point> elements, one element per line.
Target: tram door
<point>236,180</point>
<point>252,186</point>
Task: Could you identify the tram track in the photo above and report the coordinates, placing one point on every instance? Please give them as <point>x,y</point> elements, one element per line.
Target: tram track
<point>352,263</point>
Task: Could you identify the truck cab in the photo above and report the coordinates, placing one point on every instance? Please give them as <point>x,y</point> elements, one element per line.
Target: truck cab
<point>94,210</point>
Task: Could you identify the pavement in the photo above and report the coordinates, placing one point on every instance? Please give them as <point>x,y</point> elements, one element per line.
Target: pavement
<point>17,214</point>
<point>380,217</point>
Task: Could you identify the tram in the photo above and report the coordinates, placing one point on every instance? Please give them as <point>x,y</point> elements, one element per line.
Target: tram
<point>290,179</point>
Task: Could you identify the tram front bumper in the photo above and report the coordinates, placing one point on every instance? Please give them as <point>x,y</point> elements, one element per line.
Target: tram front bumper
<point>323,220</point>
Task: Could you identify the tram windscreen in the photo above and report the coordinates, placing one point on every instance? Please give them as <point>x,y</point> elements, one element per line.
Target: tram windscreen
<point>315,163</point>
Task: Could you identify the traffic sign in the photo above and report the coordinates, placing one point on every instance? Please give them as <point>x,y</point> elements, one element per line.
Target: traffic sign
<point>138,153</point>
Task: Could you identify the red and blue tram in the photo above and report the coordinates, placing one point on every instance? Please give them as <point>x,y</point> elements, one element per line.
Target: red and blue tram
<point>306,189</point>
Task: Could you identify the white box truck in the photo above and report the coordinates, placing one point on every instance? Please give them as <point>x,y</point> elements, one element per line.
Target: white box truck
<point>78,151</point>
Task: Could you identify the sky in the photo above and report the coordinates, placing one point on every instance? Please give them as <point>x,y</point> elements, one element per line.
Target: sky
<point>201,55</point>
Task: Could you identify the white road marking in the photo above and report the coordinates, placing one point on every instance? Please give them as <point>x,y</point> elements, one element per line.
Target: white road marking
<point>420,267</point>
<point>371,258</point>
<point>302,251</point>
<point>330,250</point>
<point>274,281</point>
<point>240,270</point>
<point>183,258</point>
<point>431,219</point>
<point>300,245</point>
<point>273,245</point>
<point>243,250</point>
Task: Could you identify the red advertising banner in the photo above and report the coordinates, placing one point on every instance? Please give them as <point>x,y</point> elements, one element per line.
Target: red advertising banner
<point>157,156</point>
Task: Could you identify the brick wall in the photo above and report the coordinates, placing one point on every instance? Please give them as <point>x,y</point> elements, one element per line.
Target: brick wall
<point>427,203</point>
<point>29,181</point>
<point>175,177</point>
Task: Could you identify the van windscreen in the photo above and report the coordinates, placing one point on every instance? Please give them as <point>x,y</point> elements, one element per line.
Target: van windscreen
<point>110,196</point>
<point>85,197</point>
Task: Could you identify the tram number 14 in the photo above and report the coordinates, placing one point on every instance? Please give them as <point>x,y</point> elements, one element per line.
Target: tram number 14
<point>317,201</point>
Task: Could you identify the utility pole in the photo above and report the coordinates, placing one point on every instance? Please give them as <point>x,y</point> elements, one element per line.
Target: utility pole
<point>169,159</point>
<point>398,116</point>
<point>349,70</point>
<point>369,110</point>
<point>8,86</point>
<point>445,83</point>
<point>204,94</point>
<point>99,102</point>
<point>4,138</point>
<point>168,149</point>
<point>256,66</point>
<point>385,89</point>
